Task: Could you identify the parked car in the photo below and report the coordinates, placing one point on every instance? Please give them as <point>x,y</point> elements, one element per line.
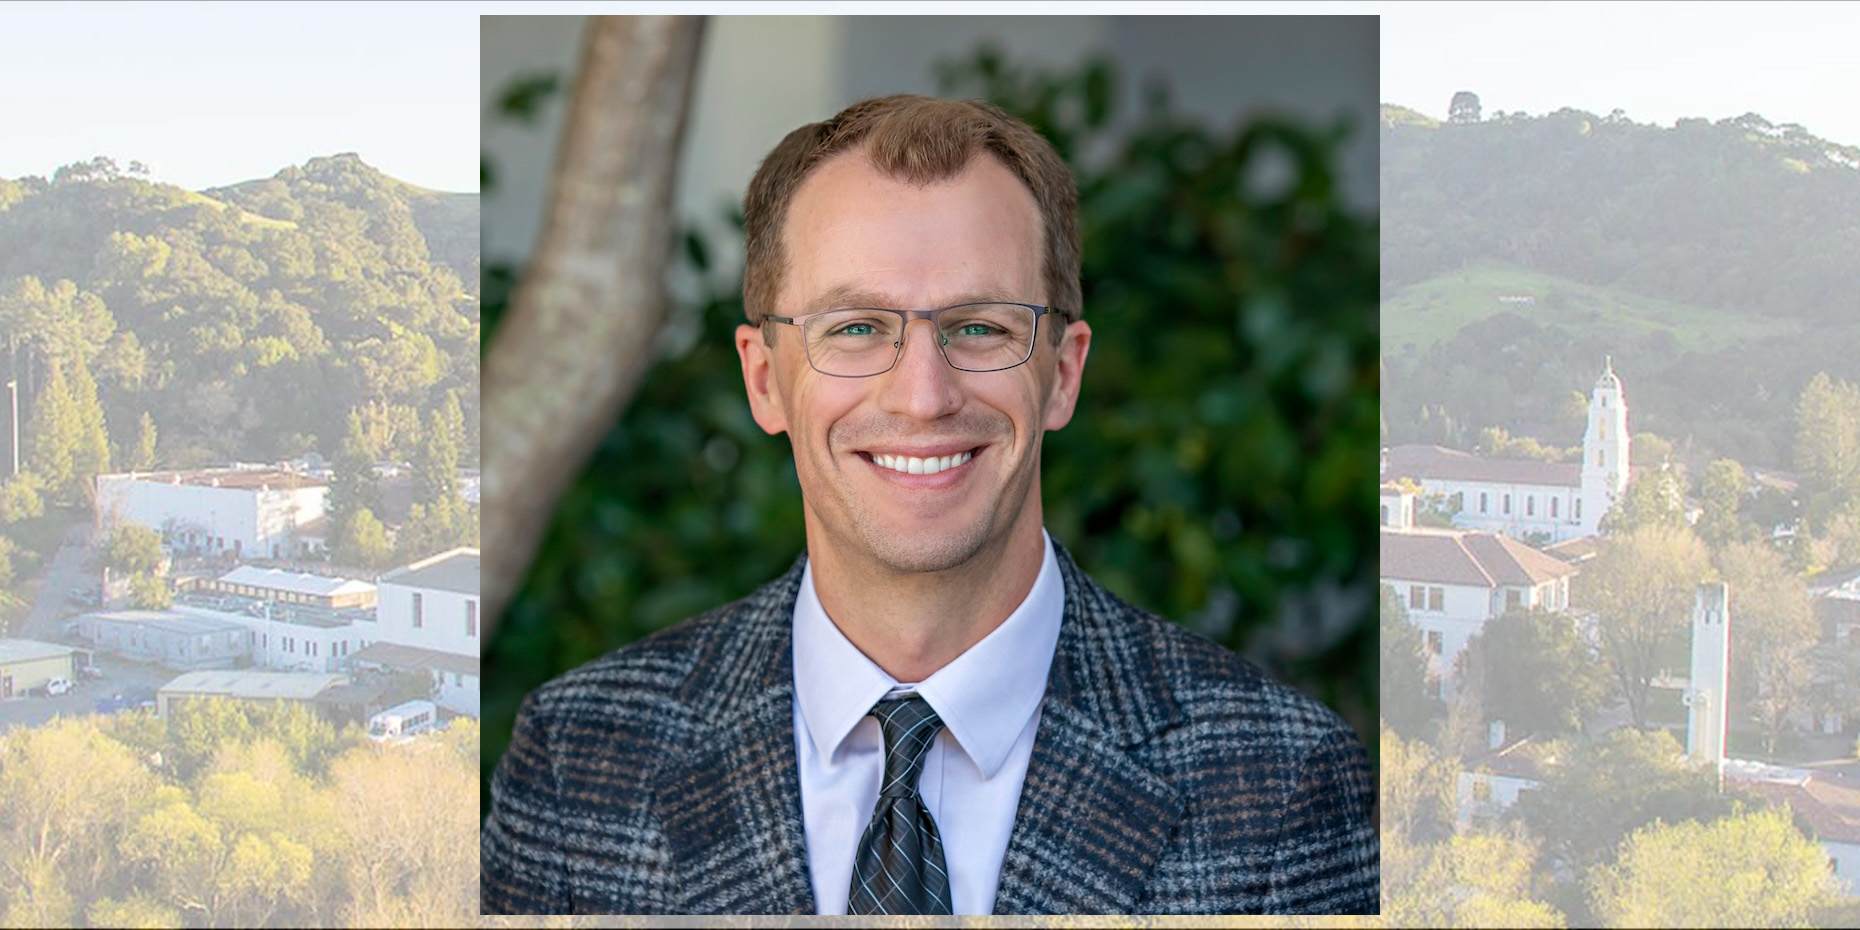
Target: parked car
<point>126,699</point>
<point>53,687</point>
<point>90,673</point>
<point>84,597</point>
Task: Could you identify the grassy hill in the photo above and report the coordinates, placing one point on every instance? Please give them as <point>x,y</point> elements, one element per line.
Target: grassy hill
<point>1432,311</point>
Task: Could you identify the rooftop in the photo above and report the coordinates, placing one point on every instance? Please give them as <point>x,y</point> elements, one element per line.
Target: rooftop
<point>1525,758</point>
<point>1575,551</point>
<point>242,610</point>
<point>277,579</point>
<point>1439,463</point>
<point>240,478</point>
<point>30,650</point>
<point>455,571</point>
<point>169,622</point>
<point>395,655</point>
<point>1483,560</point>
<point>300,686</point>
<point>1831,810</point>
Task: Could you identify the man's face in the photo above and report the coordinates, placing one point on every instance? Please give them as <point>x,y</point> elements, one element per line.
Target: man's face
<point>855,237</point>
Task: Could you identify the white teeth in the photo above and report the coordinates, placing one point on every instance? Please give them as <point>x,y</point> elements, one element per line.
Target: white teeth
<point>919,466</point>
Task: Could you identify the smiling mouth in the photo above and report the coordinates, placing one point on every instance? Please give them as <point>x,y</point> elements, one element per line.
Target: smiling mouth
<point>913,465</point>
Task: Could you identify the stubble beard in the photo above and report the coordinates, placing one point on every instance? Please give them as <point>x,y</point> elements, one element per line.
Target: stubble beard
<point>912,552</point>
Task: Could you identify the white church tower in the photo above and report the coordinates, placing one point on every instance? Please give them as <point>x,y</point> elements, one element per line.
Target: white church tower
<point>1604,451</point>
<point>1711,675</point>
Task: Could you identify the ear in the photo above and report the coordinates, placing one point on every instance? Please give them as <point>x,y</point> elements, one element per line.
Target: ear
<point>758,364</point>
<point>1069,374</point>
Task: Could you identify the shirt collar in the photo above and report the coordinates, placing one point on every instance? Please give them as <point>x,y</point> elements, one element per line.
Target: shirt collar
<point>984,696</point>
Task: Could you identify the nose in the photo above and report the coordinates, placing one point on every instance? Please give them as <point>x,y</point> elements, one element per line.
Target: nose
<point>921,384</point>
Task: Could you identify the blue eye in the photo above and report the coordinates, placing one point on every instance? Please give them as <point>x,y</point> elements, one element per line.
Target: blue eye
<point>976,329</point>
<point>856,329</point>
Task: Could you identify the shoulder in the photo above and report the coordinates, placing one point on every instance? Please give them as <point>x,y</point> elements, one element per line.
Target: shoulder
<point>1183,688</point>
<point>646,689</point>
<point>1275,788</point>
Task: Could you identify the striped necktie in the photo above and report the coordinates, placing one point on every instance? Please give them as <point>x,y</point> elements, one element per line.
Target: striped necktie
<point>899,868</point>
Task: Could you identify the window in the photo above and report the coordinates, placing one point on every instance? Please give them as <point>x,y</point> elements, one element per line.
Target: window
<point>1553,508</point>
<point>1513,598</point>
<point>1578,512</point>
<point>1482,507</point>
<point>1385,522</point>
<point>1507,504</point>
<point>1530,506</point>
<point>418,621</point>
<point>1436,598</point>
<point>1417,597</point>
<point>1436,641</point>
<point>471,616</point>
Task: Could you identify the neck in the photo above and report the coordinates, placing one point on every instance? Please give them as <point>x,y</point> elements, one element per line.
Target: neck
<point>913,623</point>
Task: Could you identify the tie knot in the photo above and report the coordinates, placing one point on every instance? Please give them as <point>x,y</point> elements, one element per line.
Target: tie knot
<point>909,726</point>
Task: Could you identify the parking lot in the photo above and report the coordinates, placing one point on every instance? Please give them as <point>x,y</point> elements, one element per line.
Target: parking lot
<point>118,674</point>
<point>50,611</point>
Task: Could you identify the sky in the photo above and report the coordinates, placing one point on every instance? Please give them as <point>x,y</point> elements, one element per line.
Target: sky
<point>208,94</point>
<point>1790,63</point>
<point>215,93</point>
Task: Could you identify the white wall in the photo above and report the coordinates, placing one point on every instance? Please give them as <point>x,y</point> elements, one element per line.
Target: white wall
<point>458,693</point>
<point>1846,858</point>
<point>281,644</point>
<point>221,519</point>
<point>1523,496</point>
<point>442,616</point>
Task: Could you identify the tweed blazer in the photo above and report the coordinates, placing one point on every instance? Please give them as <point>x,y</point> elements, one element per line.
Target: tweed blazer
<point>1168,776</point>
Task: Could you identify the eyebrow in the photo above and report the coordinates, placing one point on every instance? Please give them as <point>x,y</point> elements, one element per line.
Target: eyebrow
<point>846,295</point>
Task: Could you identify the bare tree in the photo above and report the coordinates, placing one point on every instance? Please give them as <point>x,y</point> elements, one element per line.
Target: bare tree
<point>577,336</point>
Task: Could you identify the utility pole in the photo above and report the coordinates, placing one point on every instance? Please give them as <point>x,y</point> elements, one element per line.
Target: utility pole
<point>12,391</point>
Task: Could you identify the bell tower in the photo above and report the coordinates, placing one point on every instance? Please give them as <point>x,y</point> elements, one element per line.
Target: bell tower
<point>1604,450</point>
<point>1705,697</point>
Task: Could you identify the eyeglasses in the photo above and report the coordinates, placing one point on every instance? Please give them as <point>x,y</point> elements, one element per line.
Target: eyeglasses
<point>860,342</point>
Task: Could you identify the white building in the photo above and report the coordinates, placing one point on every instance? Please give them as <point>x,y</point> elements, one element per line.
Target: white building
<point>244,511</point>
<point>169,637</point>
<point>430,611</point>
<point>1521,497</point>
<point>275,584</point>
<point>280,637</point>
<point>1397,508</point>
<point>1493,782</point>
<point>1454,581</point>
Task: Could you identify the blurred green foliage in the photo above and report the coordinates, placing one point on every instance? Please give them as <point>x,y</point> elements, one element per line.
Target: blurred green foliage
<point>1219,472</point>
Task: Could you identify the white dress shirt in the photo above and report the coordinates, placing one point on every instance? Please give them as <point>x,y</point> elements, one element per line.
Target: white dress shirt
<point>989,701</point>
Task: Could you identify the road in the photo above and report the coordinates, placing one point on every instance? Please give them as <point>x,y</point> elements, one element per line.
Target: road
<point>65,572</point>
<point>43,622</point>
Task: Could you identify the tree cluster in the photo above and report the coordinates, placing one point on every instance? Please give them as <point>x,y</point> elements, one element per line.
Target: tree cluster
<point>226,814</point>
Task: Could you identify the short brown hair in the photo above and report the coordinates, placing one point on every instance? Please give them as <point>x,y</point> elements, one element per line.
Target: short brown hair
<point>916,140</point>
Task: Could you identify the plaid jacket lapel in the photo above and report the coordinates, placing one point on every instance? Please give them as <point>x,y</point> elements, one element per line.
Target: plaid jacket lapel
<point>1092,821</point>
<point>732,809</point>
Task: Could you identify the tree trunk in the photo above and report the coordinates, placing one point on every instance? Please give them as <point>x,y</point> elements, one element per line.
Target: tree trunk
<point>579,329</point>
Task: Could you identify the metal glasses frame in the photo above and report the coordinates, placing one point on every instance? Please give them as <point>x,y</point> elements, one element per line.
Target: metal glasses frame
<point>904,332</point>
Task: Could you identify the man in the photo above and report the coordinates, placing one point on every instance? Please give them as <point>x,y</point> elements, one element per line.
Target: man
<point>934,710</point>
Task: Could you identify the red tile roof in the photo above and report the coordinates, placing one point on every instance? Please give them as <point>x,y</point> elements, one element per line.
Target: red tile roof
<point>1442,464</point>
<point>1484,560</point>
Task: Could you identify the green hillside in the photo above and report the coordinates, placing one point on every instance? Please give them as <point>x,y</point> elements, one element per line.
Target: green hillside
<point>1425,314</point>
